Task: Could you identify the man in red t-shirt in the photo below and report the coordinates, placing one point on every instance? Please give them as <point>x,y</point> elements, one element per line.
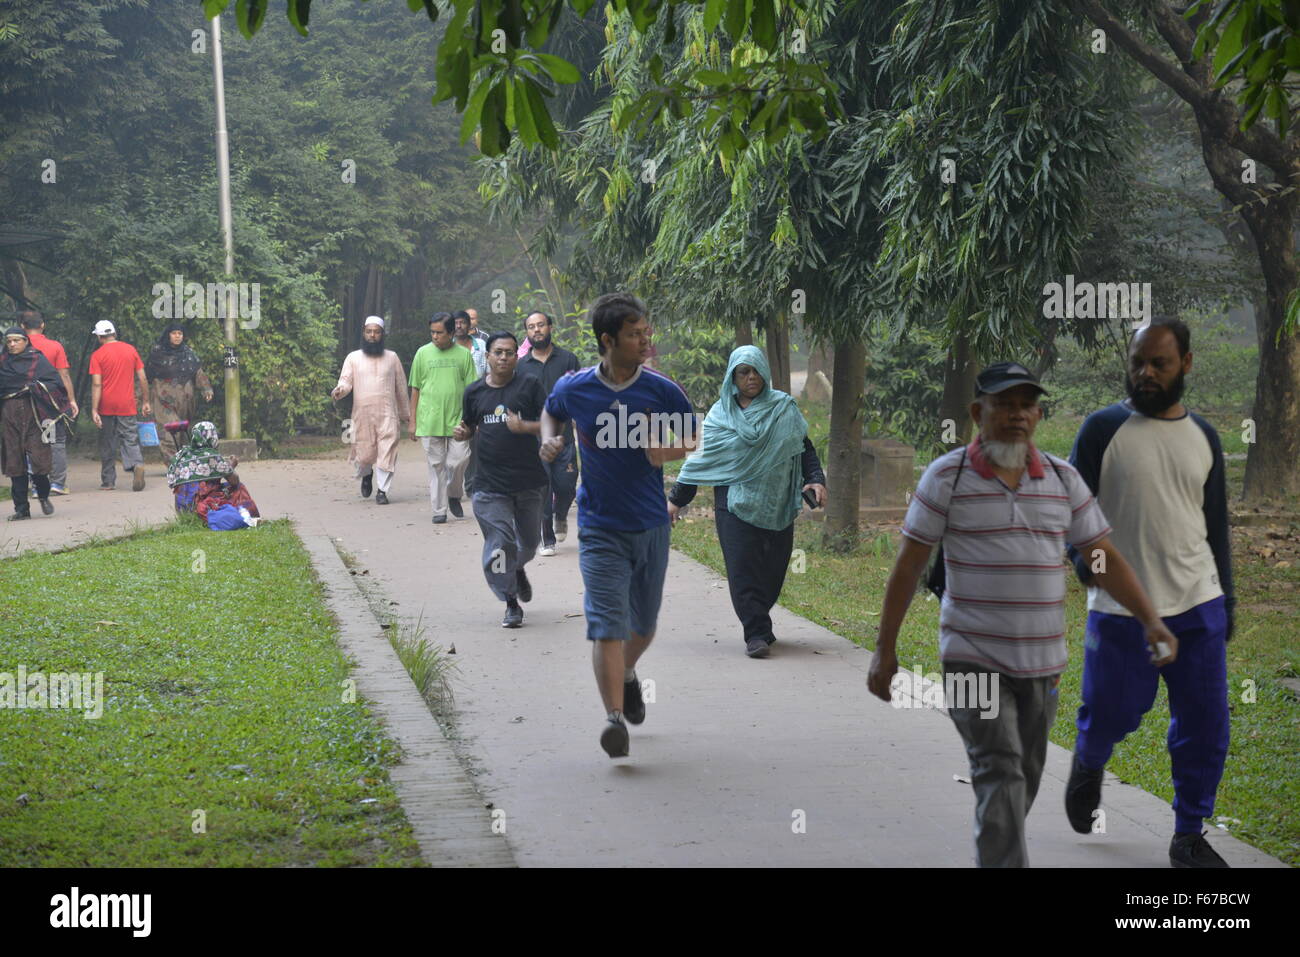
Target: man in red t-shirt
<point>115,367</point>
<point>33,322</point>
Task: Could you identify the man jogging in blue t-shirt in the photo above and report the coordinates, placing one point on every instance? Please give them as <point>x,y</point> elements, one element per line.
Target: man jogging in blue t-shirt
<point>1157,471</point>
<point>623,416</point>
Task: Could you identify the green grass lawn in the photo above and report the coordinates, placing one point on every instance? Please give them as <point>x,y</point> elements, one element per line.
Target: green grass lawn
<point>222,693</point>
<point>1260,791</point>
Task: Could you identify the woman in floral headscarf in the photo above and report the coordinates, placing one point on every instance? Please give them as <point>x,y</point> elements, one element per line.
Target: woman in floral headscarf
<point>198,472</point>
<point>174,375</point>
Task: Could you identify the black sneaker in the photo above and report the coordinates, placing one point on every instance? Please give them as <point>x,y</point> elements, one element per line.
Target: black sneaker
<point>514,615</point>
<point>454,505</point>
<point>523,586</point>
<point>614,738</point>
<point>381,498</point>
<point>633,704</point>
<point>756,648</point>
<point>21,514</point>
<point>366,485</point>
<point>440,519</point>
<point>1193,850</point>
<point>1082,795</point>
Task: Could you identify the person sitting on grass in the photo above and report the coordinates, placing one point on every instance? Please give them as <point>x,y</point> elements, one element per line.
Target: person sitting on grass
<point>196,464</point>
<point>224,491</point>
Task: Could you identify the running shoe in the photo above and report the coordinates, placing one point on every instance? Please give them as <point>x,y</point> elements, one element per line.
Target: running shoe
<point>614,738</point>
<point>633,704</point>
<point>514,614</point>
<point>1193,850</point>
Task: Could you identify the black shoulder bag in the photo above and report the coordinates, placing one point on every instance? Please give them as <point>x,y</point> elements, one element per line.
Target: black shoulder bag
<point>937,578</point>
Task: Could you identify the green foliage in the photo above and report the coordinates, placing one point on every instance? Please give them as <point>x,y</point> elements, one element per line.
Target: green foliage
<point>1258,43</point>
<point>695,357</point>
<point>489,62</point>
<point>904,389</point>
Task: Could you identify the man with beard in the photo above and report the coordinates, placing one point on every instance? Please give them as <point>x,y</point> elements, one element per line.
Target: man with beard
<point>1157,471</point>
<point>1002,510</point>
<point>549,364</point>
<point>374,376</point>
<point>32,399</point>
<point>440,373</point>
<point>504,411</point>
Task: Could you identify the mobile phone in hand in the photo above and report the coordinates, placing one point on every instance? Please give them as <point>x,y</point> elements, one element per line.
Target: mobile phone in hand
<point>810,497</point>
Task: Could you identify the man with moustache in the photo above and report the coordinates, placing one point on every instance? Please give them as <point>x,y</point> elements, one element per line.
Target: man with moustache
<point>1003,511</point>
<point>549,363</point>
<point>374,376</point>
<point>504,410</point>
<point>1157,471</point>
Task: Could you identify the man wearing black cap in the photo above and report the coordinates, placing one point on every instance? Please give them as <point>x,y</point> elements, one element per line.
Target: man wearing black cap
<point>1003,511</point>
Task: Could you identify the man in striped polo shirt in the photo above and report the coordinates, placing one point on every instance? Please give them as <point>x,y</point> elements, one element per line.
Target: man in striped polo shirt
<point>1004,512</point>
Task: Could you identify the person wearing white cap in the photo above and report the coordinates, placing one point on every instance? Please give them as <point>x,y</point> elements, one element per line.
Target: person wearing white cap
<point>377,382</point>
<point>115,367</point>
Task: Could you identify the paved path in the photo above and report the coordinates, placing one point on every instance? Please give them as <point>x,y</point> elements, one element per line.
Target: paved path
<point>734,753</point>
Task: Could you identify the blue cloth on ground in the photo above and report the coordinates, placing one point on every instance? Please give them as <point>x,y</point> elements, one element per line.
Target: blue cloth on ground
<point>225,518</point>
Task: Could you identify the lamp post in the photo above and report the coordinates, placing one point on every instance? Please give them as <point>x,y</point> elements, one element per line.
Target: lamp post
<point>230,360</point>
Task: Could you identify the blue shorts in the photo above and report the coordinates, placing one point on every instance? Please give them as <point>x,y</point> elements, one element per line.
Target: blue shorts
<point>623,580</point>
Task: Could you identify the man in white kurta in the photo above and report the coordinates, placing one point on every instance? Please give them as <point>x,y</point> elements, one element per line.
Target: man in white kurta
<point>380,405</point>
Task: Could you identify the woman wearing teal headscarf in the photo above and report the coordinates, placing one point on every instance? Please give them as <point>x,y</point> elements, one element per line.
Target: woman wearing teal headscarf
<point>756,454</point>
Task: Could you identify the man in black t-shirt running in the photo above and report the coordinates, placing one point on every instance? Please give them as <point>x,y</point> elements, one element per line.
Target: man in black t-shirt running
<point>505,410</point>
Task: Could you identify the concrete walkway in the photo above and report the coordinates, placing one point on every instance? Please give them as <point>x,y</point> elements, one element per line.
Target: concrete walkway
<point>784,761</point>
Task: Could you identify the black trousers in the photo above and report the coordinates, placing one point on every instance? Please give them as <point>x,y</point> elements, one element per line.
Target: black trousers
<point>19,489</point>
<point>757,559</point>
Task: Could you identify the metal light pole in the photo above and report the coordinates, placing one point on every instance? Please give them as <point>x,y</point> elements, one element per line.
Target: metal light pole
<point>231,358</point>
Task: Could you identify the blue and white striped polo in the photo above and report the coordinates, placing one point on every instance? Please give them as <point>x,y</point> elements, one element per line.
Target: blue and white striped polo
<point>1004,603</point>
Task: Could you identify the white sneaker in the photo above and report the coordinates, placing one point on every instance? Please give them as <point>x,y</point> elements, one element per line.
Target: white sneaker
<point>547,551</point>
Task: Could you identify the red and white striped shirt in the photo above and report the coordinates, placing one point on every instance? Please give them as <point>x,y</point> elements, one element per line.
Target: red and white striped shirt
<point>1004,599</point>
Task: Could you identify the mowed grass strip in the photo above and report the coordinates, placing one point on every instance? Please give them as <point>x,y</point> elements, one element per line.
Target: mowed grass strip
<point>1260,792</point>
<point>224,705</point>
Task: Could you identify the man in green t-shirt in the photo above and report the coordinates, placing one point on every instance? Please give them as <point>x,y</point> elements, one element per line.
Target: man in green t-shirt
<point>439,374</point>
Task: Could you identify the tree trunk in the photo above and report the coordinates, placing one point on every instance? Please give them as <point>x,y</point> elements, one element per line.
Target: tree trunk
<point>744,333</point>
<point>844,457</point>
<point>958,389</point>
<point>1272,461</point>
<point>778,351</point>
<point>16,282</point>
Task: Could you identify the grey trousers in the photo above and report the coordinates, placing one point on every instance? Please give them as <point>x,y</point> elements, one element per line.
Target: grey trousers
<point>59,472</point>
<point>512,527</point>
<point>1007,753</point>
<point>118,432</point>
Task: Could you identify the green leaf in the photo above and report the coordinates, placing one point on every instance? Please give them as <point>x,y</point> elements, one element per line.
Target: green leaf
<point>249,15</point>
<point>763,24</point>
<point>542,118</point>
<point>1230,42</point>
<point>737,15</point>
<point>298,11</point>
<point>495,137</point>
<point>561,71</point>
<point>524,113</point>
<point>711,77</point>
<point>470,120</point>
<point>713,14</point>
